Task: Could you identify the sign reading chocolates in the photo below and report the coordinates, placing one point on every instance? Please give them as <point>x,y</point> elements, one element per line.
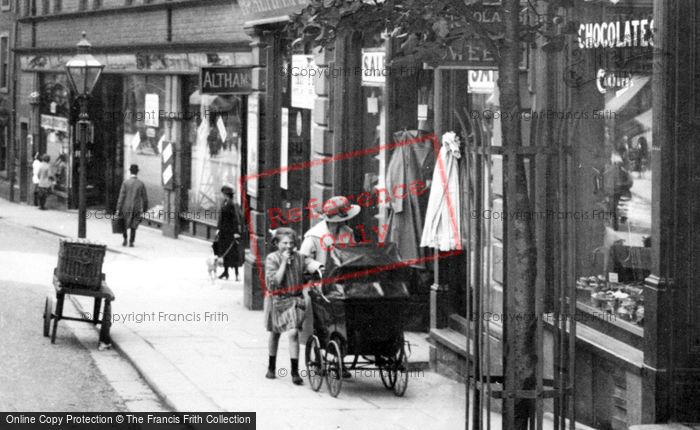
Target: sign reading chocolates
<point>631,33</point>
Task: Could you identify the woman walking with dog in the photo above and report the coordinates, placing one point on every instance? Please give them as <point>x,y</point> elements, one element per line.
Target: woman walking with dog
<point>229,233</point>
<point>284,301</point>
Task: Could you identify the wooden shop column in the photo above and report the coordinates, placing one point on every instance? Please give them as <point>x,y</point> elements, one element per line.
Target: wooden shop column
<point>264,106</point>
<point>671,384</point>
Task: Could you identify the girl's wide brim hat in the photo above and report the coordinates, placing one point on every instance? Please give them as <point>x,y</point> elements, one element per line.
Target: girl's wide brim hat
<point>339,209</point>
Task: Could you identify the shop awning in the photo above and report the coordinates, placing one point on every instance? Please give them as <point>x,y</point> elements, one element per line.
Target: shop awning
<point>644,120</point>
<point>618,103</point>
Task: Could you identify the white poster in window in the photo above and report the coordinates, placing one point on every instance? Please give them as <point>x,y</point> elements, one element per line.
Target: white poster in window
<point>422,112</point>
<point>151,108</point>
<point>302,71</point>
<point>481,81</point>
<point>222,128</point>
<point>372,105</point>
<point>252,168</point>
<point>284,148</point>
<point>373,69</point>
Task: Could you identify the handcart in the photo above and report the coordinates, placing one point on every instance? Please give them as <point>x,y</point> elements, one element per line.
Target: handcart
<point>79,272</point>
<point>360,313</point>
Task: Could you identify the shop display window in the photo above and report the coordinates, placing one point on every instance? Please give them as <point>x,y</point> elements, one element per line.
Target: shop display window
<point>215,136</point>
<point>144,130</point>
<point>614,151</point>
<point>621,259</point>
<point>54,133</point>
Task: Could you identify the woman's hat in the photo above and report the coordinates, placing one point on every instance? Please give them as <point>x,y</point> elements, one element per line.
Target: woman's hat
<point>227,188</point>
<point>134,169</point>
<point>339,209</point>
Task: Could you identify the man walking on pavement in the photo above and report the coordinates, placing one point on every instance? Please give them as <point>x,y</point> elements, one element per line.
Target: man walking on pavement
<point>132,202</point>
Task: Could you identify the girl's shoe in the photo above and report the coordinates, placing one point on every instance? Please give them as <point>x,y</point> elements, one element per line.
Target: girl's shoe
<point>270,374</point>
<point>297,380</point>
<point>224,276</point>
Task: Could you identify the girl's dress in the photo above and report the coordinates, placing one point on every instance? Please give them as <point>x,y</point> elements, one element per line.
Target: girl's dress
<point>284,302</point>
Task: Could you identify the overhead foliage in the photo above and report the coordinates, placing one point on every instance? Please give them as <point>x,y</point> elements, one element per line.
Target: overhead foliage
<point>429,30</point>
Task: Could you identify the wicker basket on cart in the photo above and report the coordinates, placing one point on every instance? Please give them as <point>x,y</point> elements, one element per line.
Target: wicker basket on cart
<point>80,263</point>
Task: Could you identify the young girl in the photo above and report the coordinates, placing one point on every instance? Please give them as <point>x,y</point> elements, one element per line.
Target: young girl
<point>284,301</point>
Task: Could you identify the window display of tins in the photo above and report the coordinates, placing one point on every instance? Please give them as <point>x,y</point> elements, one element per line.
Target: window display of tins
<point>624,301</point>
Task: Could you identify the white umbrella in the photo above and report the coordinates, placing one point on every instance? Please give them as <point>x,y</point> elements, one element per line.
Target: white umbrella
<point>442,220</point>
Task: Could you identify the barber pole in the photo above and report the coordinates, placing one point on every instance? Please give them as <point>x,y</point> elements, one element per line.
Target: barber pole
<point>167,165</point>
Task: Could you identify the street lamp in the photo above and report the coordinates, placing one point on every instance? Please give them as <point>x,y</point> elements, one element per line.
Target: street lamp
<point>83,71</point>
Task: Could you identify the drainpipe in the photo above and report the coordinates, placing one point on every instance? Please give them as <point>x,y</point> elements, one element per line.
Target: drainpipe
<point>13,115</point>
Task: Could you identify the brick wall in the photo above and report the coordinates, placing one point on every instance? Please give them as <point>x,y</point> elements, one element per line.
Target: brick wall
<point>215,22</point>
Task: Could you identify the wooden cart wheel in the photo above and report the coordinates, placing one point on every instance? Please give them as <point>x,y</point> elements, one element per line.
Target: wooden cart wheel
<point>385,374</point>
<point>334,368</point>
<point>48,310</point>
<point>315,367</point>
<point>401,372</point>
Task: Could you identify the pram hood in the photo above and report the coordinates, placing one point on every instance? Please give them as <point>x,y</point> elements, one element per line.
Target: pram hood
<point>365,257</point>
<point>362,269</point>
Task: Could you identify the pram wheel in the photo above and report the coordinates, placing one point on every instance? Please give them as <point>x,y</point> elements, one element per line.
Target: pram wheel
<point>400,372</point>
<point>315,366</point>
<point>385,374</point>
<point>334,366</point>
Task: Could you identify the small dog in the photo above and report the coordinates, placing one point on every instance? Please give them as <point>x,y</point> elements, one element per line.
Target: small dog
<point>212,263</point>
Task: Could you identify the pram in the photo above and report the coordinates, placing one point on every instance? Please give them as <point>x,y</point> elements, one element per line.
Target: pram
<point>360,313</point>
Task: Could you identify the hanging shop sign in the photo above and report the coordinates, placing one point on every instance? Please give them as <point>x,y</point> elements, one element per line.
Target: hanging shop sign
<point>55,123</point>
<point>226,80</point>
<point>260,9</point>
<point>302,77</point>
<point>374,70</point>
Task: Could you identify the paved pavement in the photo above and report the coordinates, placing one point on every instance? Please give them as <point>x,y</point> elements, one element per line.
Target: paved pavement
<point>198,347</point>
<point>70,375</point>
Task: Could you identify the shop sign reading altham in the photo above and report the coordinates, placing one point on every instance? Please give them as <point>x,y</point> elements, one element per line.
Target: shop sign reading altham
<point>226,80</point>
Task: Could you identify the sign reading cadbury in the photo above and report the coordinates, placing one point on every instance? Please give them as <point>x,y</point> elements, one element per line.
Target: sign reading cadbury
<point>225,80</point>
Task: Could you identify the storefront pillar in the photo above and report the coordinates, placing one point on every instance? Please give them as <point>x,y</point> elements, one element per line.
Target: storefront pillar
<point>263,154</point>
<point>321,133</point>
<point>172,194</point>
<point>657,402</point>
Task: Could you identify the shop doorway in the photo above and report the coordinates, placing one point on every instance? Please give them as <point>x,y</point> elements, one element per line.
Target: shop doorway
<point>295,150</point>
<point>104,153</point>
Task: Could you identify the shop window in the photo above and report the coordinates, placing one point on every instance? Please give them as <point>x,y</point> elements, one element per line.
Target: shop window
<point>4,61</point>
<point>54,132</point>
<point>5,5</point>
<point>45,7</point>
<point>621,208</point>
<point>57,6</point>
<point>144,131</point>
<point>96,4</point>
<point>83,5</point>
<point>128,2</point>
<point>614,181</point>
<point>215,136</point>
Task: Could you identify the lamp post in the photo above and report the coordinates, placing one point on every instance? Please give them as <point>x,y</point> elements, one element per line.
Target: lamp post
<point>83,71</point>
